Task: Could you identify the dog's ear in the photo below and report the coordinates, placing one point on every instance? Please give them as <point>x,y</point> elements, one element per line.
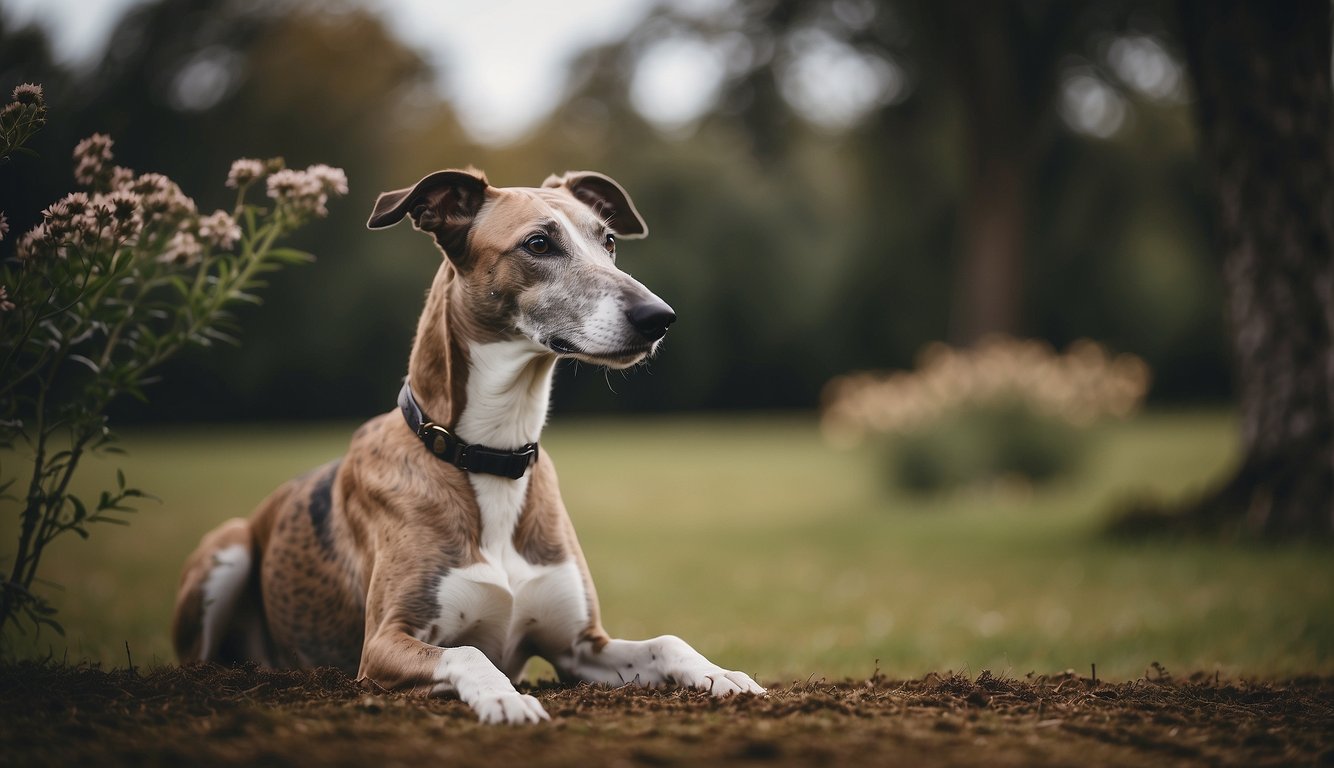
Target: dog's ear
<point>443,203</point>
<point>607,199</point>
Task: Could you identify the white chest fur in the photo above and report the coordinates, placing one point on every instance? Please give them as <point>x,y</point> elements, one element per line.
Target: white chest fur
<point>509,608</point>
<point>504,605</point>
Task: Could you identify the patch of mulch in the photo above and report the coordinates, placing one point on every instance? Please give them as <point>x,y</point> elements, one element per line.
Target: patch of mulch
<point>210,715</point>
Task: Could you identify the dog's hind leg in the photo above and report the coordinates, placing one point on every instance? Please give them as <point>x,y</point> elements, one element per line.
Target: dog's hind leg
<point>214,618</point>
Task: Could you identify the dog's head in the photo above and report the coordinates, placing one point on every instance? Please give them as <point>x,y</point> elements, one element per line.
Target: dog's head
<point>540,262</point>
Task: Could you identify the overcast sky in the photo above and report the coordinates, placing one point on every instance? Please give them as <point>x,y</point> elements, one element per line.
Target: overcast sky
<point>498,96</point>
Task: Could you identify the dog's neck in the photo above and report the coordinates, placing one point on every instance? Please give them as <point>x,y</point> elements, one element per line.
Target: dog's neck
<point>492,392</point>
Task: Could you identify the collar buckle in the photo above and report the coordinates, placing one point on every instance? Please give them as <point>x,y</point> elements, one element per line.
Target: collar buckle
<point>444,444</point>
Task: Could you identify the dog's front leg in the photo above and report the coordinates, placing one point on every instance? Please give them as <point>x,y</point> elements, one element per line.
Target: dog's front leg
<point>397,661</point>
<point>662,661</point>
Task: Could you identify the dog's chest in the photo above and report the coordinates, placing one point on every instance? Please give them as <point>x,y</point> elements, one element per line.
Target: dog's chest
<point>504,605</point>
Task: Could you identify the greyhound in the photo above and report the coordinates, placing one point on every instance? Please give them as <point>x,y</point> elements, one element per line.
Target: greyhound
<point>437,556</point>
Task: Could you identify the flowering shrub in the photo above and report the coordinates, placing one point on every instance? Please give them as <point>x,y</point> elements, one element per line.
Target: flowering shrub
<point>1003,407</point>
<point>116,279</point>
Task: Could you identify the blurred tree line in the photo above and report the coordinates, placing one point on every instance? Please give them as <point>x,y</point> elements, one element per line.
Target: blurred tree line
<point>865,177</point>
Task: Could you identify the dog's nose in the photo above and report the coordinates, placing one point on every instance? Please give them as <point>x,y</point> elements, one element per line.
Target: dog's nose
<point>651,318</point>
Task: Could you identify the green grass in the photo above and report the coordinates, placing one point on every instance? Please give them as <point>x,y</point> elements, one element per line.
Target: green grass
<point>773,553</point>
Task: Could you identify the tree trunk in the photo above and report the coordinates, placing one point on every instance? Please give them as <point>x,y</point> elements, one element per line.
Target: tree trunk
<point>1002,65</point>
<point>1262,79</point>
<point>990,279</point>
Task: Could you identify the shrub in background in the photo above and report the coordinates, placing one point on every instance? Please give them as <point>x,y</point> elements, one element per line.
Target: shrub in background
<point>1005,408</point>
<point>118,278</point>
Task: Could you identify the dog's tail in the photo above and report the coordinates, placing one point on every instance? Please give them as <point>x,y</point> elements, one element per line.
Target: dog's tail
<point>217,616</point>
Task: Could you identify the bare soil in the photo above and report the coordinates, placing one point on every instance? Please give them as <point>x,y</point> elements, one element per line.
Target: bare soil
<point>209,715</point>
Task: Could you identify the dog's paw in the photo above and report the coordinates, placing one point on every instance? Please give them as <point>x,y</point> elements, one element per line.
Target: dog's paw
<point>509,708</point>
<point>721,682</point>
<point>726,683</point>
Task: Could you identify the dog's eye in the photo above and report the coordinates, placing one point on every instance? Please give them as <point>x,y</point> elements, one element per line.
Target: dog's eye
<point>610,243</point>
<point>539,245</point>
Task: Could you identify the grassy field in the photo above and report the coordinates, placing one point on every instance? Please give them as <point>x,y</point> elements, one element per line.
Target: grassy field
<point>773,553</point>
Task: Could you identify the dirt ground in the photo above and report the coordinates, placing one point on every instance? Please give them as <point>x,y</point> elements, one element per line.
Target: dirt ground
<point>54,715</point>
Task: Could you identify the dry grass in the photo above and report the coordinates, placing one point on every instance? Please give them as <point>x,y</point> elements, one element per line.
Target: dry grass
<point>205,715</point>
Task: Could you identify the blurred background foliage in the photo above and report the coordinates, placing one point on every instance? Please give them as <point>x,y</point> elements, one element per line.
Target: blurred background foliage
<point>852,180</point>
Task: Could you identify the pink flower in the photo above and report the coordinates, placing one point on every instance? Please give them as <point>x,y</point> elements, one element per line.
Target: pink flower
<point>124,204</point>
<point>28,93</point>
<point>298,191</point>
<point>36,243</point>
<point>91,158</point>
<point>306,192</point>
<point>162,200</point>
<point>121,178</point>
<point>244,171</point>
<point>219,230</point>
<point>333,180</point>
<point>182,250</point>
<point>63,218</point>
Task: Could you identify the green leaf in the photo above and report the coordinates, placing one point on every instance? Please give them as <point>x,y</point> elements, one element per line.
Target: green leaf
<point>217,335</point>
<point>289,256</point>
<point>89,364</point>
<point>52,623</point>
<point>41,607</point>
<point>249,298</point>
<point>177,282</point>
<point>80,511</point>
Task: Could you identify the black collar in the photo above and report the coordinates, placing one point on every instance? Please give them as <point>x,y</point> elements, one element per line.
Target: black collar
<point>447,446</point>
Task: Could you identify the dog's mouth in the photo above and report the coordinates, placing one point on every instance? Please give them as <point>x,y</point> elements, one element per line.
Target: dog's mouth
<point>562,346</point>
<point>618,358</point>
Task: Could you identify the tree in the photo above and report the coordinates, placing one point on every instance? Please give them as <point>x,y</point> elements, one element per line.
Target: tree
<point>1262,79</point>
<point>1004,69</point>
